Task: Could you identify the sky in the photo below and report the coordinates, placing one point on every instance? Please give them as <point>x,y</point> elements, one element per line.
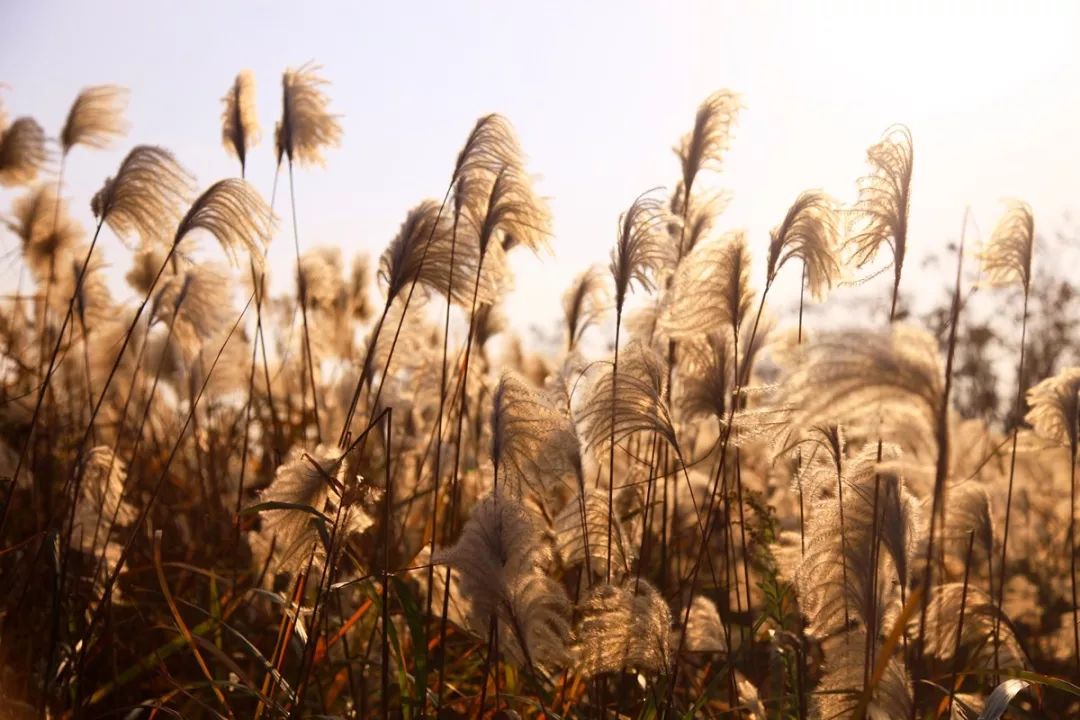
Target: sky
<point>599,93</point>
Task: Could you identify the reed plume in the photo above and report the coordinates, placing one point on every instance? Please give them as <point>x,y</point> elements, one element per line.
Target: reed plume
<point>1055,408</point>
<point>1006,259</point>
<point>145,196</point>
<point>808,234</point>
<point>583,305</point>
<point>420,252</point>
<point>704,629</point>
<point>239,123</point>
<point>505,207</point>
<point>623,627</point>
<point>234,213</point>
<point>308,487</point>
<point>101,503</point>
<point>581,534</point>
<point>1055,415</point>
<point>839,692</point>
<point>490,146</point>
<point>689,227</point>
<point>534,448</point>
<point>47,232</point>
<point>196,305</point>
<point>95,118</point>
<point>22,152</point>
<point>640,250</point>
<point>618,405</point>
<point>306,126</point>
<point>501,561</point>
<point>947,635</point>
<point>710,290</point>
<point>704,146</point>
<point>881,212</point>
<point>857,375</point>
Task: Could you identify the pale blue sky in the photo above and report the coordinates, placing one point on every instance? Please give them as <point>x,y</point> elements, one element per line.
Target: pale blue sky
<point>599,93</point>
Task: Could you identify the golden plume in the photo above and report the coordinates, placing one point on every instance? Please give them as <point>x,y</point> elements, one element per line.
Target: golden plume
<point>95,118</point>
<point>239,123</point>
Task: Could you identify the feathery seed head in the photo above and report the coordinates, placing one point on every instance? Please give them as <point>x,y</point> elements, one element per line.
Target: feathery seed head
<point>1055,408</point>
<point>22,152</point>
<point>233,212</point>
<point>809,234</point>
<point>704,146</point>
<point>95,118</point>
<point>641,248</point>
<point>239,123</point>
<point>1007,257</point>
<point>306,126</point>
<point>146,195</point>
<point>881,212</point>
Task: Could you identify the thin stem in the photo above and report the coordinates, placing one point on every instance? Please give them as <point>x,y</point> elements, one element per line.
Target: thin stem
<point>1012,476</point>
<point>302,286</point>
<point>384,670</point>
<point>611,443</point>
<point>960,624</point>
<point>942,468</point>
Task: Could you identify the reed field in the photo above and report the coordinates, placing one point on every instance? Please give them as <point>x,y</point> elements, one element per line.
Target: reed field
<point>350,488</point>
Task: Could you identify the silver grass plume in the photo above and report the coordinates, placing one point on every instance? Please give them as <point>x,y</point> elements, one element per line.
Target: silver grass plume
<point>533,444</point>
<point>1055,408</point>
<point>839,692</point>
<point>707,374</point>
<point>239,123</point>
<point>101,500</point>
<point>968,510</point>
<point>22,152</point>
<point>95,118</point>
<point>711,288</point>
<point>404,259</point>
<point>628,402</point>
<point>145,196</point>
<point>358,288</point>
<point>99,509</point>
<point>583,304</point>
<point>641,249</point>
<point>704,630</point>
<point>976,641</point>
<point>196,305</point>
<point>93,299</point>
<point>574,535</point>
<point>623,627</point>
<point>643,323</point>
<point>314,483</point>
<point>320,272</point>
<point>306,127</point>
<point>835,575</point>
<point>145,261</point>
<point>1006,259</point>
<point>501,561</point>
<point>856,374</point>
<point>502,208</point>
<point>809,234</point>
<point>704,146</point>
<point>491,146</point>
<point>235,214</point>
<point>47,232</point>
<point>881,212</point>
<point>688,229</point>
<point>749,698</point>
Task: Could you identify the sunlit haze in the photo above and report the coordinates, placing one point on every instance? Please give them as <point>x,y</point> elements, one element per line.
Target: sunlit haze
<point>599,94</point>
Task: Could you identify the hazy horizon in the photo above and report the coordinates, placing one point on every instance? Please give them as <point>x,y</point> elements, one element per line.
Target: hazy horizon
<point>599,95</point>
